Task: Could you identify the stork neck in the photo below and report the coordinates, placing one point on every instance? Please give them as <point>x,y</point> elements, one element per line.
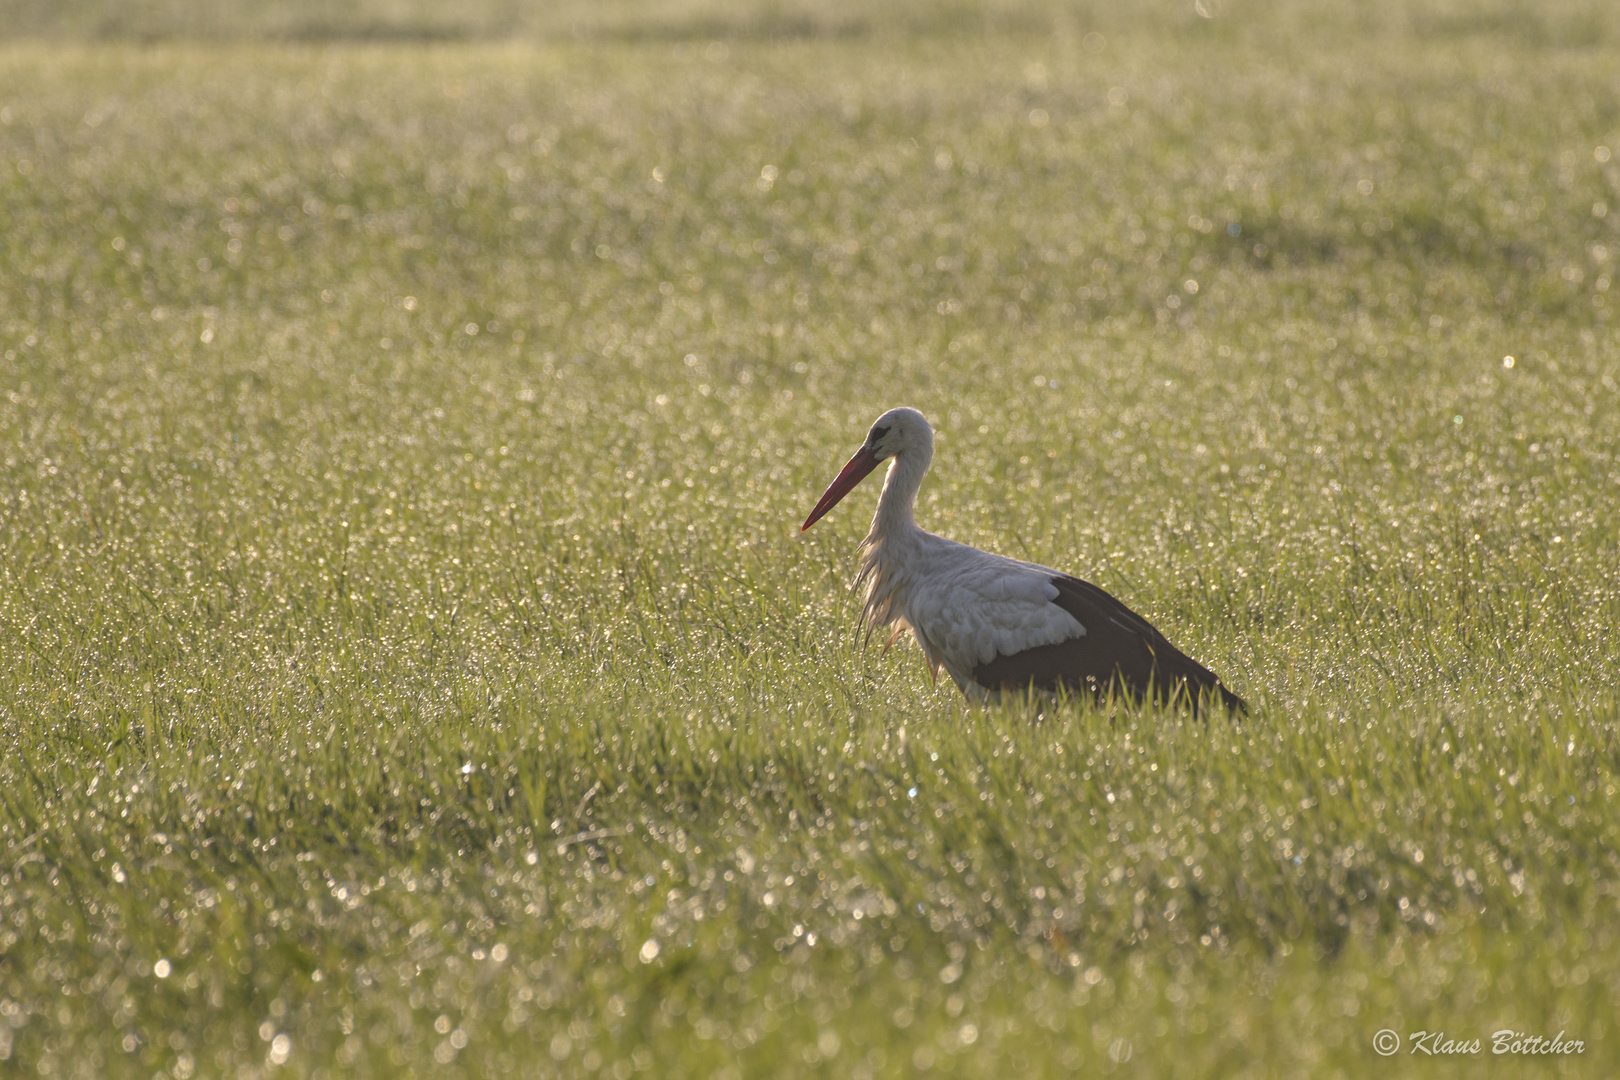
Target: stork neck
<point>894,509</point>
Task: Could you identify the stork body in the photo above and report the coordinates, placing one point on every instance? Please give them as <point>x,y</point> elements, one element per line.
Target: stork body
<point>995,623</point>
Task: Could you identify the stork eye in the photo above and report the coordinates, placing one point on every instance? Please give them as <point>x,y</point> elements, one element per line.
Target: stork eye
<point>875,435</point>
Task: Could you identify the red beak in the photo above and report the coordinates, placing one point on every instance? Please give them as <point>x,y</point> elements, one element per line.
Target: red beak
<point>864,461</point>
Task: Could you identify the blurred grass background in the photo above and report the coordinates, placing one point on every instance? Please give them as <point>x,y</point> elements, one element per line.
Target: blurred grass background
<point>410,664</point>
<point>1558,23</point>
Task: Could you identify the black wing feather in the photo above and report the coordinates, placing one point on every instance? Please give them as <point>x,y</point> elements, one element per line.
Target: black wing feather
<point>1121,651</point>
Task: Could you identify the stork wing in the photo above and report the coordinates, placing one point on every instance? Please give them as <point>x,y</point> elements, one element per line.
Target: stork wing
<point>1119,649</point>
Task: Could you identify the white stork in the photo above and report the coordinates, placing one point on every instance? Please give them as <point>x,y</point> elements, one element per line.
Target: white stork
<point>994,623</point>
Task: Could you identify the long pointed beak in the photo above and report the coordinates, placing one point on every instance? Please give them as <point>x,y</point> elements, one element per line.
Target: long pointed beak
<point>853,473</point>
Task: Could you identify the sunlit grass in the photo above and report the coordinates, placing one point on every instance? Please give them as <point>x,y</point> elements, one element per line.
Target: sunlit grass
<point>410,662</point>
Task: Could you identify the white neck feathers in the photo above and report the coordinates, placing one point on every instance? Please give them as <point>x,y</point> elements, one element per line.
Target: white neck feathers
<point>895,506</point>
<point>892,526</point>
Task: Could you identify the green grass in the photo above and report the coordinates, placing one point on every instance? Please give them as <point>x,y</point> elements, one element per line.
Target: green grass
<point>409,663</point>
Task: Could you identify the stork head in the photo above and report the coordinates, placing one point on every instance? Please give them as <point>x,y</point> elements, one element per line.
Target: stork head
<point>897,432</point>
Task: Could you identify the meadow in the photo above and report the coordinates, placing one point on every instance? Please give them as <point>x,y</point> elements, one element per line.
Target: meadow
<point>410,664</point>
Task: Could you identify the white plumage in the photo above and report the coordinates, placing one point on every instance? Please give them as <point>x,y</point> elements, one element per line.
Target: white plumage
<point>991,622</point>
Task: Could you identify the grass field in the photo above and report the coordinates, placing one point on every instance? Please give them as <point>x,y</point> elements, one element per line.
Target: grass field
<point>409,664</point>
